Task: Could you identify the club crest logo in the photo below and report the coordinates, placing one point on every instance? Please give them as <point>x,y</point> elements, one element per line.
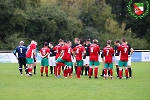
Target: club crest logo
<point>138,9</point>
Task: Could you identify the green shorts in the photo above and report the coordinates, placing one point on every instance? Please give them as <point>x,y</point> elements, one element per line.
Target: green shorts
<point>80,63</point>
<point>69,63</point>
<point>59,60</point>
<point>44,62</point>
<point>122,63</point>
<point>108,65</point>
<point>29,60</point>
<point>94,63</point>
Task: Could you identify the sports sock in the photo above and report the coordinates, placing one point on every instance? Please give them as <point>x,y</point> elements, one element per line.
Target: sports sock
<point>65,72</point>
<point>111,72</point>
<point>58,70</point>
<point>90,72</point>
<point>126,73</point>
<point>78,72</point>
<point>117,71</point>
<point>82,70</point>
<point>34,69</point>
<point>46,70</point>
<point>95,72</point>
<point>130,72</point>
<point>41,70</point>
<point>86,70</point>
<point>105,72</point>
<point>26,69</point>
<point>120,73</point>
<point>108,72</point>
<point>30,70</point>
<point>76,69</point>
<point>51,69</point>
<point>69,71</point>
<point>20,69</point>
<point>56,67</point>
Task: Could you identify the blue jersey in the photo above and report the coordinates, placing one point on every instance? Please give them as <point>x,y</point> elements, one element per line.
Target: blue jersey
<point>21,50</point>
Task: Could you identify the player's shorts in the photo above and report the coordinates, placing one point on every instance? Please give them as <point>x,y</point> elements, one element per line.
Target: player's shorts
<point>52,61</point>
<point>108,65</point>
<point>86,60</point>
<point>122,63</point>
<point>80,63</point>
<point>59,60</point>
<point>29,60</point>
<point>22,61</point>
<point>70,64</point>
<point>117,60</point>
<point>94,63</point>
<point>44,62</point>
<point>129,61</point>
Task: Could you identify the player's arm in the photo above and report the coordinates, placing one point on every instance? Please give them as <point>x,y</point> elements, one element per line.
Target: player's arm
<point>62,52</point>
<point>131,50</point>
<point>14,52</point>
<point>102,56</point>
<point>84,53</point>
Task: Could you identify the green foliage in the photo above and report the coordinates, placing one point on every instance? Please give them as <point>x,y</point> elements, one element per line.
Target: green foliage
<point>50,20</point>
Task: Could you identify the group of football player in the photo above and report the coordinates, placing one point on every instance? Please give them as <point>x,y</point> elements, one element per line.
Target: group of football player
<point>83,56</point>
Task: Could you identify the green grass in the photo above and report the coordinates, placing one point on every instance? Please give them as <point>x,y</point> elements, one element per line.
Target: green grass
<point>15,87</point>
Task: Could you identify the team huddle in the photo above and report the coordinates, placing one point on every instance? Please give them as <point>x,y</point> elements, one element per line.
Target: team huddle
<point>83,56</point>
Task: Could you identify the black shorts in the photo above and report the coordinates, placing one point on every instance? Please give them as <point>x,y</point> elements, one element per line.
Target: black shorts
<point>22,61</point>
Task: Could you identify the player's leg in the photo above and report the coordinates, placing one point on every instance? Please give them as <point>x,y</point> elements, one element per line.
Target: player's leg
<point>70,69</point>
<point>105,70</point>
<point>25,67</point>
<point>59,63</point>
<point>34,68</point>
<point>116,63</point>
<point>51,66</point>
<point>86,65</point>
<point>20,65</point>
<point>126,69</point>
<point>120,69</point>
<point>129,67</point>
<point>42,67</point>
<point>90,68</point>
<point>111,70</point>
<point>96,64</point>
<point>79,68</point>
<point>30,65</point>
<point>46,64</point>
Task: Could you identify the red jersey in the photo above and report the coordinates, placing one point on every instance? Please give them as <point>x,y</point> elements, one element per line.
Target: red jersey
<point>67,53</point>
<point>78,52</point>
<point>30,51</point>
<point>45,50</point>
<point>108,54</point>
<point>94,50</point>
<point>58,50</point>
<point>123,51</point>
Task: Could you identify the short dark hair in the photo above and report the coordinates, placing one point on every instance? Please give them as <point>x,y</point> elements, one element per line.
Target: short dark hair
<point>68,41</point>
<point>88,40</point>
<point>45,44</point>
<point>51,43</point>
<point>82,41</point>
<point>65,41</point>
<point>117,41</point>
<point>123,40</point>
<point>109,42</point>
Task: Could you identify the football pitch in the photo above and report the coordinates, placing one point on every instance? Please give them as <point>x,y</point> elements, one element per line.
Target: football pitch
<point>16,87</point>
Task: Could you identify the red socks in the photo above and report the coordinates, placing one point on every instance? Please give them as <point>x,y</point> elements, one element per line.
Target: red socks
<point>111,72</point>
<point>70,72</point>
<point>95,72</point>
<point>65,72</point>
<point>90,72</point>
<point>105,72</point>
<point>120,73</point>
<point>30,70</point>
<point>46,70</point>
<point>41,70</point>
<point>58,70</point>
<point>126,73</point>
<point>78,72</point>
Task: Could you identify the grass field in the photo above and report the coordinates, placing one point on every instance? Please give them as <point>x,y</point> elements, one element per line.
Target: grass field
<point>16,87</point>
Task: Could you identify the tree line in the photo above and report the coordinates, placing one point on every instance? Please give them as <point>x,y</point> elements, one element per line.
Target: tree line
<point>50,20</point>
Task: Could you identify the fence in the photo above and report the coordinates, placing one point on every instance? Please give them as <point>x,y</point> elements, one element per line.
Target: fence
<point>138,56</point>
